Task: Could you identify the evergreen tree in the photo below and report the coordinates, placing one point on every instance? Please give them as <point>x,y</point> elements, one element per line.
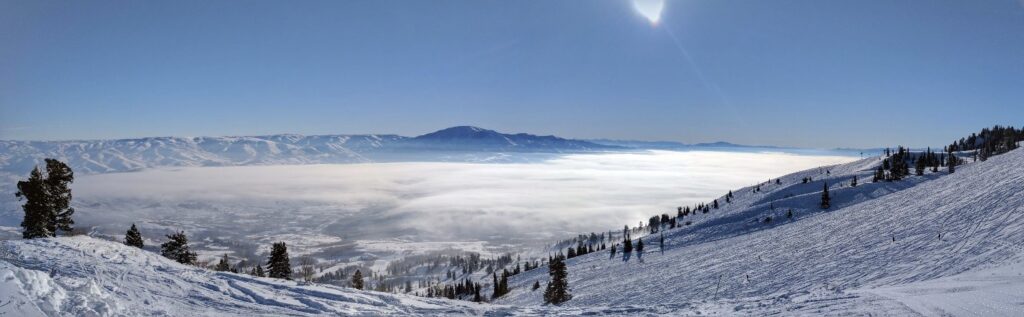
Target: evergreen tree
<point>557,291</point>
<point>279,265</point>
<point>48,200</point>
<point>919,166</point>
<point>223,264</point>
<point>257,271</point>
<point>952,163</point>
<point>37,211</point>
<point>177,249</point>
<point>497,287</point>
<point>661,243</point>
<point>133,237</point>
<point>613,251</point>
<point>640,246</point>
<point>357,280</point>
<point>536,285</point>
<point>476,294</point>
<point>789,214</point>
<point>825,200</point>
<point>854,182</point>
<point>58,180</point>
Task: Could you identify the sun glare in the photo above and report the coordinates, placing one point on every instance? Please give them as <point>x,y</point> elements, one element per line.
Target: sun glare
<point>650,9</point>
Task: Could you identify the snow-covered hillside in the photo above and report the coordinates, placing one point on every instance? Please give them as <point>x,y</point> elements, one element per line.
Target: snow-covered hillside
<point>877,241</point>
<point>83,276</point>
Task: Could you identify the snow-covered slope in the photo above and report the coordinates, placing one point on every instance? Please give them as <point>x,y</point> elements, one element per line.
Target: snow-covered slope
<point>83,276</point>
<point>876,236</point>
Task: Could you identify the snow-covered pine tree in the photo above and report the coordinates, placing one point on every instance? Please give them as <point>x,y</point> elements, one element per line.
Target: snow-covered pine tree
<point>177,249</point>
<point>557,291</point>
<point>826,202</point>
<point>357,280</point>
<point>279,265</point>
<point>133,237</point>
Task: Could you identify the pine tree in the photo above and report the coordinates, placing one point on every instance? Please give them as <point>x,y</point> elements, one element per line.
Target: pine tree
<point>58,178</point>
<point>919,166</point>
<point>279,265</point>
<point>952,163</point>
<point>661,243</point>
<point>257,271</point>
<point>639,246</point>
<point>177,249</point>
<point>557,291</point>
<point>825,200</point>
<point>48,201</point>
<point>536,285</point>
<point>357,280</point>
<point>223,265</point>
<point>476,294</point>
<point>789,214</point>
<point>37,211</point>
<point>133,237</point>
<point>854,182</point>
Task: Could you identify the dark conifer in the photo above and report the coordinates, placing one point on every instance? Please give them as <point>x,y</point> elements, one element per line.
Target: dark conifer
<point>177,249</point>
<point>854,182</point>
<point>133,237</point>
<point>279,265</point>
<point>223,264</point>
<point>825,200</point>
<point>536,285</point>
<point>48,201</point>
<point>557,291</point>
<point>357,280</point>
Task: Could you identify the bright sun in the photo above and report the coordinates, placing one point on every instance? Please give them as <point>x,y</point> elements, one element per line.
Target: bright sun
<point>650,9</point>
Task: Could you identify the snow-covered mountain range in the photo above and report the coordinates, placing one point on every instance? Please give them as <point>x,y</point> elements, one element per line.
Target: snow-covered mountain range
<point>103,156</point>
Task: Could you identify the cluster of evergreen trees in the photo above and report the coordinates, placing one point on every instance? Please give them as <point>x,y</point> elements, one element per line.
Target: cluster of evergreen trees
<point>465,290</point>
<point>989,142</point>
<point>47,201</point>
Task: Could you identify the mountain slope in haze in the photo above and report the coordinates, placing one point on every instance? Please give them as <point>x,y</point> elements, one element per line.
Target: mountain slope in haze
<point>462,137</point>
<point>103,156</point>
<point>877,240</point>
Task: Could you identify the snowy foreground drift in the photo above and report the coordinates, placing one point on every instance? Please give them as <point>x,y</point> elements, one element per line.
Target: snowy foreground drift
<point>83,276</point>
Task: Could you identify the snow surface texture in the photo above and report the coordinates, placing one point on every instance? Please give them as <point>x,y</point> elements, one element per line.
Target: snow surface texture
<point>947,229</point>
<point>83,276</point>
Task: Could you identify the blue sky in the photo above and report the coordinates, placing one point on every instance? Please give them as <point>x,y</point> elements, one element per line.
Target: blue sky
<point>796,73</point>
